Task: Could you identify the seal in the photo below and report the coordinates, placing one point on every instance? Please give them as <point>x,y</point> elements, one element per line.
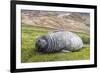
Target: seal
<point>59,41</point>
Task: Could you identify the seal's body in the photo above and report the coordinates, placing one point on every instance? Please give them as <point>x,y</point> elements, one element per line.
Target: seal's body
<point>58,41</point>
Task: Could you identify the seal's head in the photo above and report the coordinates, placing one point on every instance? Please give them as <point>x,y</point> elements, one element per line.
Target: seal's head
<point>41,44</point>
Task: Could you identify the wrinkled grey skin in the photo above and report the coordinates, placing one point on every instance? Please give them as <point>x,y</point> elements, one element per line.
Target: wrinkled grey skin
<point>59,41</point>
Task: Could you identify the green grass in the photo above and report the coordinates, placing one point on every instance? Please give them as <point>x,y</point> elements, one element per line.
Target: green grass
<point>85,38</point>
<point>29,53</point>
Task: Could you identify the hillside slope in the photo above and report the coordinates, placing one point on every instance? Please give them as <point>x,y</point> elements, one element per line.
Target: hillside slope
<point>75,22</point>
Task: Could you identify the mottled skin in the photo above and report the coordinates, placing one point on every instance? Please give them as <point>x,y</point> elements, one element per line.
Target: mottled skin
<point>59,41</point>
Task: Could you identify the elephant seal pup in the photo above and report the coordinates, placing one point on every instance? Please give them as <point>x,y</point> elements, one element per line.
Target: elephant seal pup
<point>59,41</point>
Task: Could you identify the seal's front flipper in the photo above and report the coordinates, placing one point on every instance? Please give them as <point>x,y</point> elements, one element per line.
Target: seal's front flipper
<point>65,51</point>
